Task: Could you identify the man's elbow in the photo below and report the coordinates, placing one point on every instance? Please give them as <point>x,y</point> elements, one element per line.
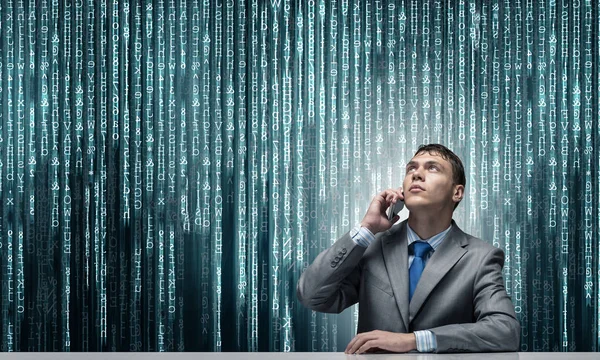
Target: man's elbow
<point>300,294</point>
<point>504,335</point>
<point>512,336</point>
<point>315,302</point>
<point>305,298</point>
<point>517,335</point>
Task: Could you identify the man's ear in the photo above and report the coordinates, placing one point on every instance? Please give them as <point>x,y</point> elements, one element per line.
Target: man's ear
<point>459,191</point>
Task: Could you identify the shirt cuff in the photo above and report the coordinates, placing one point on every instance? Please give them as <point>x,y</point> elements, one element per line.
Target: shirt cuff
<point>362,236</point>
<point>425,341</point>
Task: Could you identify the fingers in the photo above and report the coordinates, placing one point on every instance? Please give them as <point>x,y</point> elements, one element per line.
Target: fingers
<point>352,342</point>
<point>368,345</point>
<point>400,193</point>
<point>355,343</point>
<point>349,346</point>
<point>391,196</point>
<point>376,219</point>
<point>358,341</point>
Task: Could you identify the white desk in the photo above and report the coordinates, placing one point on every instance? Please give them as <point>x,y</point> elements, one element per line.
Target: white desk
<point>292,356</point>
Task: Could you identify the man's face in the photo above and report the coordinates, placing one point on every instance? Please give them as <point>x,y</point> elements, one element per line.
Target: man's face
<point>428,183</point>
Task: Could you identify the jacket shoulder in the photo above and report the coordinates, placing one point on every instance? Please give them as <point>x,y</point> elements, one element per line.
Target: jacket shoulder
<point>479,245</point>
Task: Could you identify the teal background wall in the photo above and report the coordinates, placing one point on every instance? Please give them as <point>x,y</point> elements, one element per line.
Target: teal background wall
<point>169,168</point>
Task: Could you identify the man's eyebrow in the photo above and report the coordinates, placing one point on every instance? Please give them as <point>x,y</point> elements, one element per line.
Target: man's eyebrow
<point>430,162</point>
<point>410,163</point>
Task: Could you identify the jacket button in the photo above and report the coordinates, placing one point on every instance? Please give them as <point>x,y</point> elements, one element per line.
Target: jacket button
<point>333,264</point>
<point>344,251</point>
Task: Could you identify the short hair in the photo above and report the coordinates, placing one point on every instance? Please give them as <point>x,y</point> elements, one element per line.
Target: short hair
<point>458,170</point>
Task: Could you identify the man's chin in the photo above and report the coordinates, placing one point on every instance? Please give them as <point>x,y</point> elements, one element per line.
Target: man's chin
<point>425,208</point>
<point>418,206</point>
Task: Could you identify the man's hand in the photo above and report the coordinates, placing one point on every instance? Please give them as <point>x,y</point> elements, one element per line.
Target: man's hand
<point>376,218</point>
<point>382,340</point>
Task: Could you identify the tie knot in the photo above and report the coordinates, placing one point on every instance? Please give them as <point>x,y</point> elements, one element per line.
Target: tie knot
<point>421,248</point>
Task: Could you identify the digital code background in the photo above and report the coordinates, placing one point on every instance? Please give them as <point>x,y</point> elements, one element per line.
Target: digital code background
<point>169,168</point>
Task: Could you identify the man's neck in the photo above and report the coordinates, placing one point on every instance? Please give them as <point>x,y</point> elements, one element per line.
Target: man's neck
<point>428,225</point>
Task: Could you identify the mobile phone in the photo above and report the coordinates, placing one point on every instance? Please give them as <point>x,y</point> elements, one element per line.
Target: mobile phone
<point>394,209</point>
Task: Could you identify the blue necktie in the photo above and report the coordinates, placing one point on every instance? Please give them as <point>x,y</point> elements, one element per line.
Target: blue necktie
<point>421,249</point>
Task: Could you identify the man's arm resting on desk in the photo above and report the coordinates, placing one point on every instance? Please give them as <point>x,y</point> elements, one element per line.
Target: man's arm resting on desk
<point>497,327</point>
<point>422,341</point>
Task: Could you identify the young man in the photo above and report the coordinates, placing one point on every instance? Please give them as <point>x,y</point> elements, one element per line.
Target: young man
<point>422,284</point>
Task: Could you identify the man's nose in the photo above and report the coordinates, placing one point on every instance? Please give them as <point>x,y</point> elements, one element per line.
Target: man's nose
<point>417,174</point>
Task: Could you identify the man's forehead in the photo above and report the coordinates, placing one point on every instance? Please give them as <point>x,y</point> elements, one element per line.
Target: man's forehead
<point>427,156</point>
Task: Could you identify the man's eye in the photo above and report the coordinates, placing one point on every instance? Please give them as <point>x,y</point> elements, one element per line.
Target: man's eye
<point>433,167</point>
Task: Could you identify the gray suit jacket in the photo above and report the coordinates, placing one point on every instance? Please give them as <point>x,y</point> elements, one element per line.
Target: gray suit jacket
<point>460,297</point>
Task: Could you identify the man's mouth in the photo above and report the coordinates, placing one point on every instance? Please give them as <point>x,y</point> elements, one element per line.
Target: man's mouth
<point>416,188</point>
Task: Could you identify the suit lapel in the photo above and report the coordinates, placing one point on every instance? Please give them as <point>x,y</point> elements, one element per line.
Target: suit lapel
<point>395,255</point>
<point>443,259</point>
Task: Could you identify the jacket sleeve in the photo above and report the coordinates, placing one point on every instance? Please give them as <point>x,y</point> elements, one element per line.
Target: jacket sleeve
<point>330,284</point>
<point>497,327</point>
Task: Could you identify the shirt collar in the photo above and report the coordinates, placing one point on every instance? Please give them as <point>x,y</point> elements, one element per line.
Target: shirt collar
<point>433,241</point>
